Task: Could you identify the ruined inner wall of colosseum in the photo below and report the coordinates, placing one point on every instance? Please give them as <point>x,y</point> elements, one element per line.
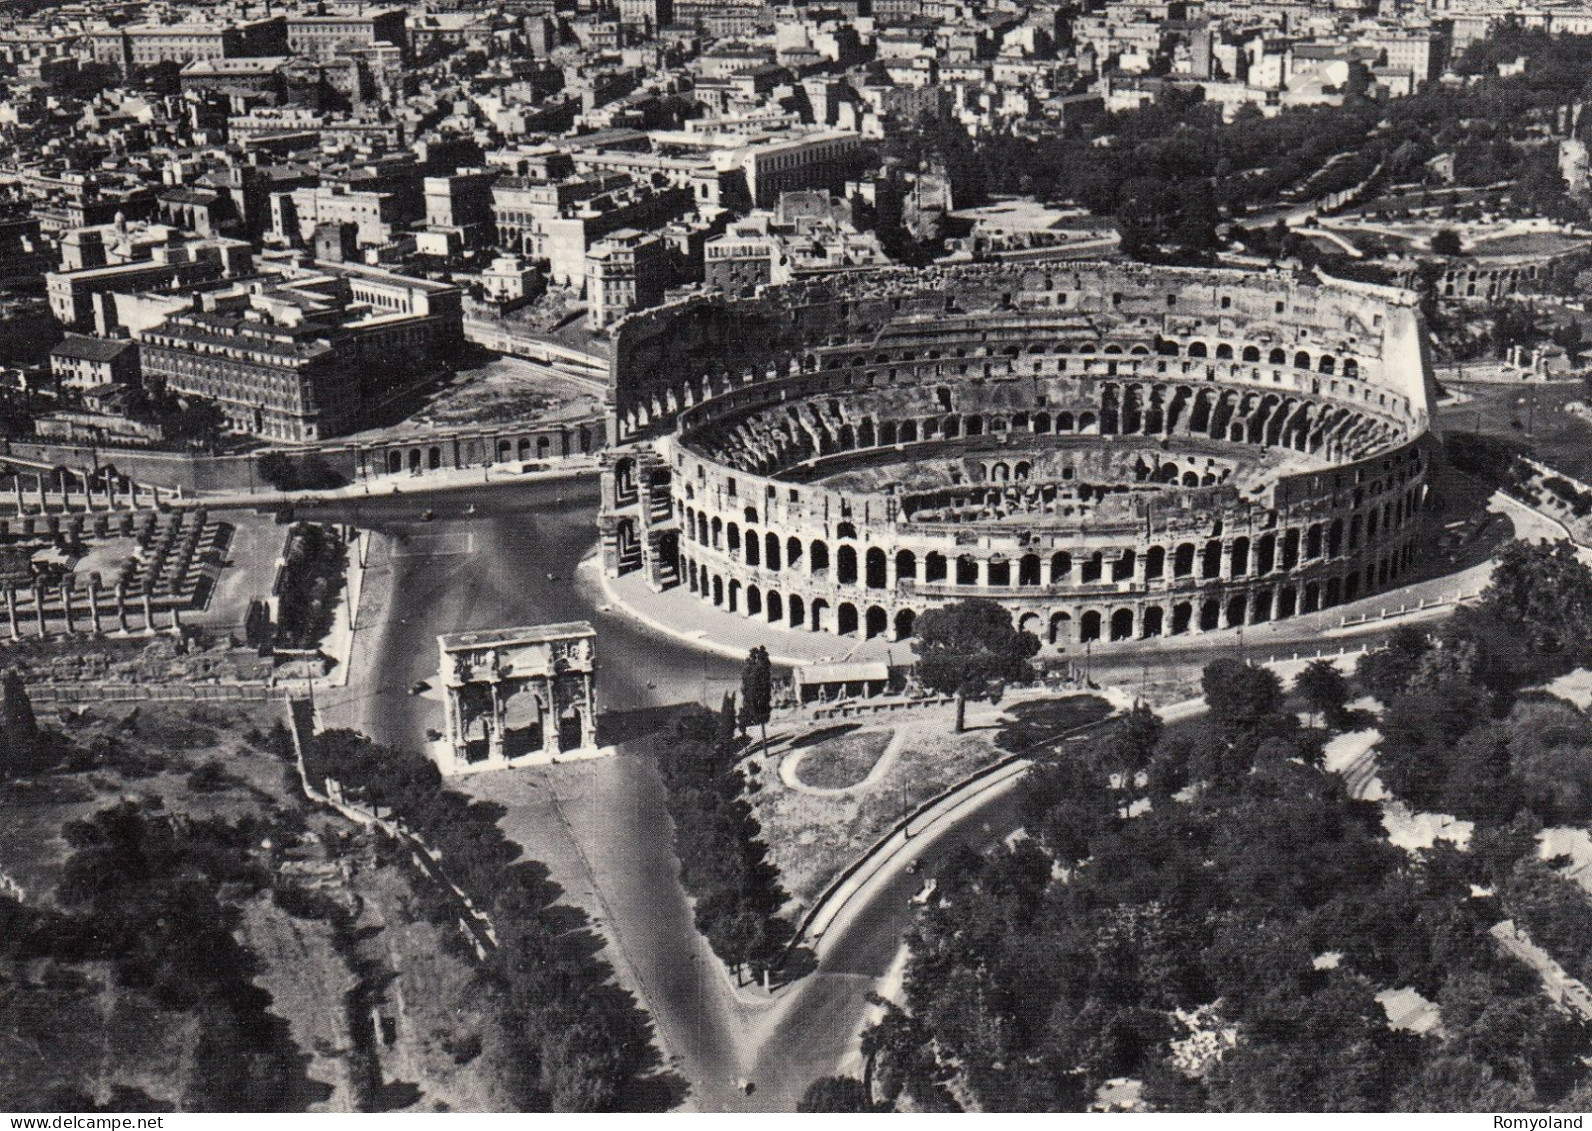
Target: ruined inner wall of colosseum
<point>841,454</point>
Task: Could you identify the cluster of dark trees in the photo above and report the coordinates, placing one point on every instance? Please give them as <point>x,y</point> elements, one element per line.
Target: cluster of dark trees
<point>1249,890</point>
<point>724,862</point>
<point>1172,168</point>
<point>153,896</point>
<point>1458,733</point>
<point>580,1042</point>
<point>308,586</point>
<point>299,473</point>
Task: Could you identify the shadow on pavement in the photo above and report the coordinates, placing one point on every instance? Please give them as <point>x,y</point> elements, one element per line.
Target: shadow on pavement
<point>615,728</point>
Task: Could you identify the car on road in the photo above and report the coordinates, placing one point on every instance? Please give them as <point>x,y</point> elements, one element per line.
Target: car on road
<point>418,686</point>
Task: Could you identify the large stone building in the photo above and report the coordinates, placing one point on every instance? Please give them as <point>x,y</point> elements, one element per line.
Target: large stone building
<point>322,36</point>
<point>819,160</point>
<point>626,271</point>
<point>301,360</point>
<point>559,222</point>
<point>374,215</point>
<point>83,298</point>
<point>147,45</point>
<point>1115,453</point>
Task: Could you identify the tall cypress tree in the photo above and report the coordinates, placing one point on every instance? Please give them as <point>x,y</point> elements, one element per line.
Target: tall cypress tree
<point>19,730</point>
<point>757,690</point>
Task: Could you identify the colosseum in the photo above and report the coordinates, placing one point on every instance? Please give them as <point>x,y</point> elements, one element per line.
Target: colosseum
<point>1115,453</point>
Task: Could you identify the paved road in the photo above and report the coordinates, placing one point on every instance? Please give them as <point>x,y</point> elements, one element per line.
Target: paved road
<point>486,569</point>
<point>811,1034</point>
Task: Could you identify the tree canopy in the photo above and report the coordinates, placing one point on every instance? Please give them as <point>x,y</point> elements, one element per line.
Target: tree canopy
<point>1324,689</point>
<point>835,1094</point>
<point>1221,927</point>
<point>964,647</point>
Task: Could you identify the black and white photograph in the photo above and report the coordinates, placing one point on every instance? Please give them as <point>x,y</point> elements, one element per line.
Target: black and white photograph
<point>795,556</point>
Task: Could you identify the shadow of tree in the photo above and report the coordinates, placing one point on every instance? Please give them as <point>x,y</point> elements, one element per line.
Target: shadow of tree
<point>615,728</point>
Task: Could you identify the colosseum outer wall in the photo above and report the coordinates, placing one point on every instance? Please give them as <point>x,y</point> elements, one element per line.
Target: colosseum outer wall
<point>1122,452</point>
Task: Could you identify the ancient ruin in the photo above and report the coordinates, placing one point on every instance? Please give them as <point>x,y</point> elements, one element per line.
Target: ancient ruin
<point>1114,452</point>
<point>517,697</point>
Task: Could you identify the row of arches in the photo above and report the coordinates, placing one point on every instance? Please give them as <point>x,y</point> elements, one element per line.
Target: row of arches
<point>1229,557</point>
<point>1325,363</point>
<point>1303,359</point>
<point>477,451</point>
<point>1086,624</point>
<point>727,391</point>
<point>775,438</point>
<point>645,400</point>
<point>816,614</point>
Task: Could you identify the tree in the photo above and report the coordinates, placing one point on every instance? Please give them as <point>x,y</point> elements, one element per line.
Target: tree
<point>757,690</point>
<point>1420,730</point>
<point>1569,338</point>
<point>727,720</point>
<point>1446,242</point>
<point>1239,696</point>
<point>1389,670</point>
<point>963,647</point>
<point>279,471</point>
<point>1324,689</point>
<point>309,473</point>
<point>1451,1082</point>
<point>1512,324</point>
<point>1133,745</point>
<point>1550,752</point>
<point>19,730</point>
<point>1544,592</point>
<point>835,1094</point>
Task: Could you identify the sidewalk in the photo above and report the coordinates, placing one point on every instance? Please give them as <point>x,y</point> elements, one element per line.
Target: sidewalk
<point>680,614</point>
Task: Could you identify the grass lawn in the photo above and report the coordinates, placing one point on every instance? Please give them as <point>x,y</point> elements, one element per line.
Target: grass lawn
<point>811,837</point>
<point>845,761</point>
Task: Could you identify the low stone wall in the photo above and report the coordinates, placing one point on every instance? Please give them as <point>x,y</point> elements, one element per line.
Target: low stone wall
<point>64,693</point>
